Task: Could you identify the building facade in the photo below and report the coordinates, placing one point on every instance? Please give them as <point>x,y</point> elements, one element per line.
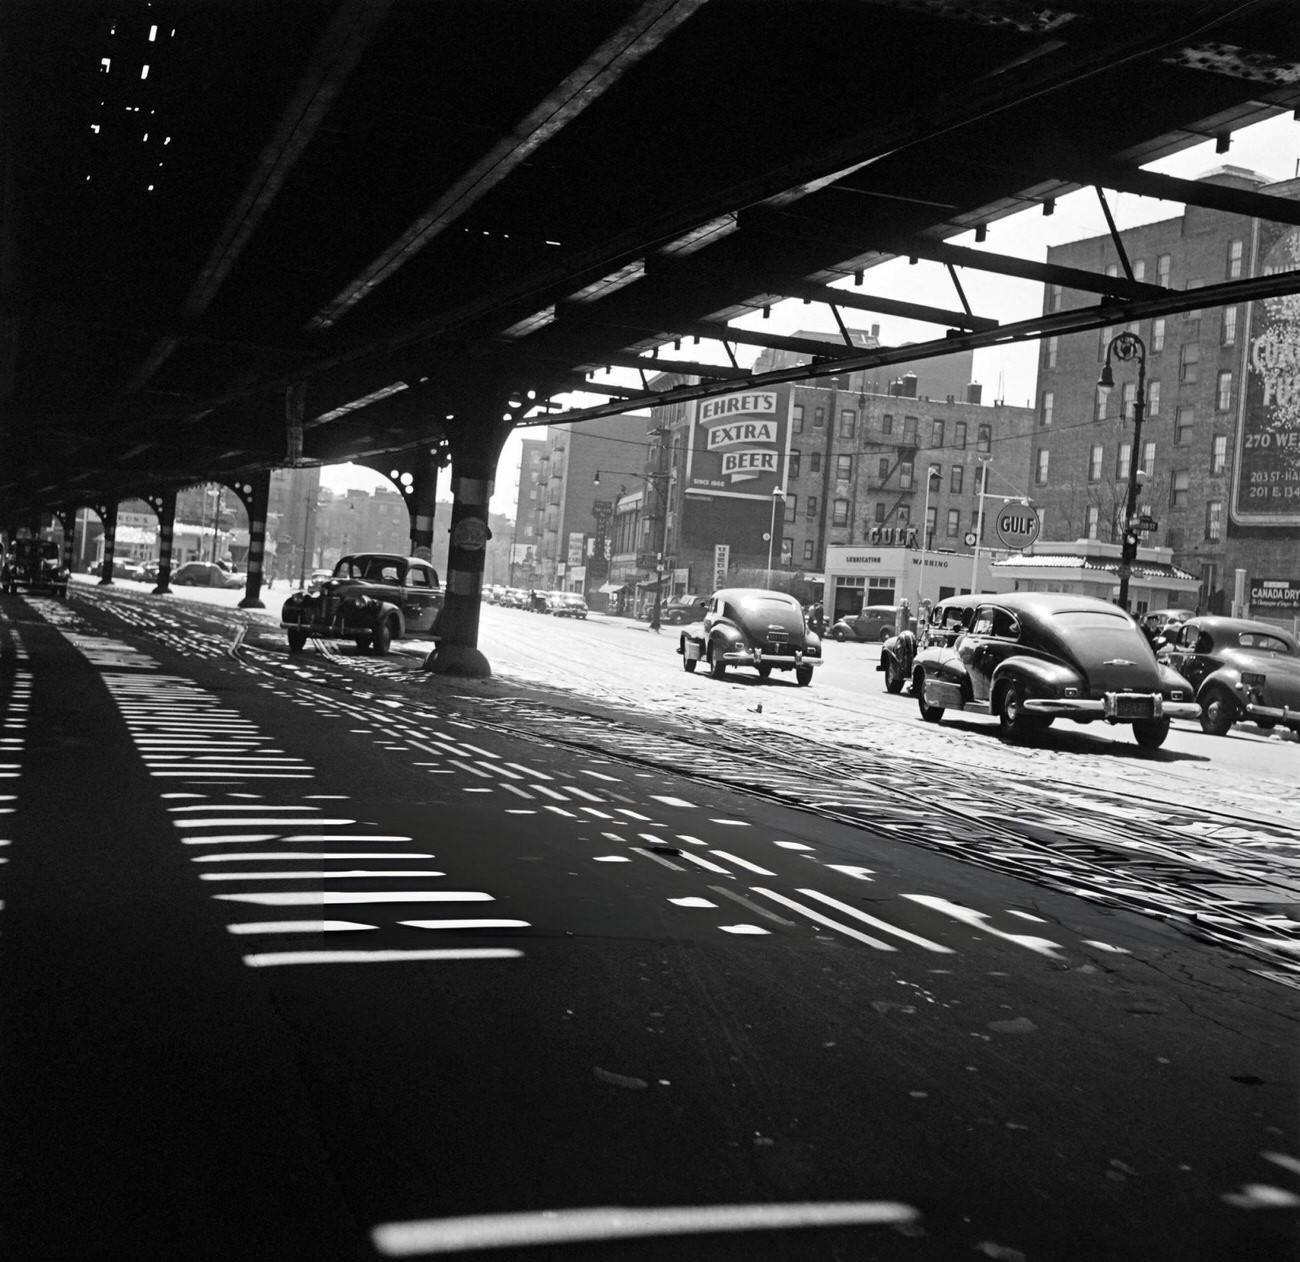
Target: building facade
<point>1220,441</point>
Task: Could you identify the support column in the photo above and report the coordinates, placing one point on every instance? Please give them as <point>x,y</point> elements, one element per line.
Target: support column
<point>255,494</point>
<point>68,521</point>
<point>475,451</point>
<point>164,507</point>
<point>108,515</point>
<point>422,500</point>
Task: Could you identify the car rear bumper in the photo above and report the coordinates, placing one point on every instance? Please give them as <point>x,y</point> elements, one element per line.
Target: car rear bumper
<point>756,657</point>
<point>1278,714</point>
<point>1116,707</point>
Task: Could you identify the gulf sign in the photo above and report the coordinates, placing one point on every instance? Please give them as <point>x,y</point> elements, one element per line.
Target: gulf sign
<point>739,444</point>
<point>1017,525</point>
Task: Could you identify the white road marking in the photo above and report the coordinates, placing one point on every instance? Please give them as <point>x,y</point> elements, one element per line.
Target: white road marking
<point>466,924</point>
<point>692,902</point>
<point>565,1226</point>
<point>744,863</point>
<point>298,926</point>
<point>858,874</point>
<point>791,845</point>
<point>277,855</point>
<point>669,801</point>
<point>360,874</point>
<point>705,863</point>
<point>314,898</point>
<point>750,929</point>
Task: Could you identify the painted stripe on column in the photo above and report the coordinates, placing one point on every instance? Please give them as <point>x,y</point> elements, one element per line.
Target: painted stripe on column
<point>257,528</point>
<point>471,490</point>
<point>424,521</point>
<point>465,582</point>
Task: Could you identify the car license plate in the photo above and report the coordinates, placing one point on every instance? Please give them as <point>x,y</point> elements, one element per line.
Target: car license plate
<point>1132,705</point>
<point>1252,680</point>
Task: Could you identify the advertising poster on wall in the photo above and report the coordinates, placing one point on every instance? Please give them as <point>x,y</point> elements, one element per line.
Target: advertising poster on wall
<point>740,445</point>
<point>1266,481</point>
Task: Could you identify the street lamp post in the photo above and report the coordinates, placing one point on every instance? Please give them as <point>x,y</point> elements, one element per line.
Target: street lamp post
<point>931,474</point>
<point>979,522</point>
<point>1126,346</point>
<point>778,497</point>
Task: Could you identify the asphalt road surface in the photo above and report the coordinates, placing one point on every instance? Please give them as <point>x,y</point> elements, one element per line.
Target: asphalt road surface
<point>321,957</point>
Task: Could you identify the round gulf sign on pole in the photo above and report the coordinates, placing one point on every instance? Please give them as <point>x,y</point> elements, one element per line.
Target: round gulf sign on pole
<point>1017,525</point>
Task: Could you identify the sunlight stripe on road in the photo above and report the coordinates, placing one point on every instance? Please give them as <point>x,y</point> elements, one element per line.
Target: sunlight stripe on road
<point>564,1226</point>
<point>879,924</point>
<point>824,920</point>
<point>268,959</point>
<point>298,926</point>
<point>330,897</point>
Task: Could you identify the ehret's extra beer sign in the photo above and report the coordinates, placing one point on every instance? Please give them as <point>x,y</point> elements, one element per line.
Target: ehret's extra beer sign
<point>739,444</point>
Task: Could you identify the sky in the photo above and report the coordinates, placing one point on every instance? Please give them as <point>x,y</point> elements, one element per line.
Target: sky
<point>1007,373</point>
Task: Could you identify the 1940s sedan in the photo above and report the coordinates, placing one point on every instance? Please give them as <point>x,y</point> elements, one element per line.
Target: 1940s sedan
<point>1031,657</point>
<point>1241,670</point>
<point>372,598</point>
<point>947,619</point>
<point>748,626</point>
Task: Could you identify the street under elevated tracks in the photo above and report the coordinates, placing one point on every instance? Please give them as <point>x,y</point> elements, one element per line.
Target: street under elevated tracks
<point>322,956</point>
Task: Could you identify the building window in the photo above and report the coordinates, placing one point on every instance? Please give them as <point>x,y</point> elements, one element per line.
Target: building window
<point>1091,520</point>
<point>954,483</point>
<point>1040,467</point>
<point>1153,398</point>
<point>1223,391</point>
<point>1228,327</point>
<point>905,474</point>
<point>807,549</point>
<point>1053,344</point>
<point>1234,260</point>
<point>959,435</point>
<point>1158,334</point>
<point>904,515</point>
<point>1149,458</point>
<point>1049,403</point>
<point>1184,424</point>
<point>840,513</point>
<point>1189,362</point>
<point>811,510</point>
<point>880,512</point>
<point>936,434</point>
<point>795,457</point>
<point>1054,298</point>
<point>1213,521</point>
<point>791,504</point>
<point>931,523</point>
<point>1123,459</point>
<point>1095,458</point>
<point>1099,404</point>
<point>844,468</point>
<point>819,418</point>
<point>882,472</point>
<point>796,418</point>
<point>1179,487</point>
<point>1219,453</point>
<point>887,424</point>
<point>1162,270</point>
<point>848,421</point>
<point>815,462</point>
<point>1127,393</point>
<point>984,441</point>
<point>909,431</point>
<point>954,522</point>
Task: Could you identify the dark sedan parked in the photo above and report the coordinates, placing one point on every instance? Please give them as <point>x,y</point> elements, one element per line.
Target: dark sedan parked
<point>372,599</point>
<point>1240,670</point>
<point>748,626</point>
<point>1031,657</point>
<point>205,574</point>
<point>876,623</point>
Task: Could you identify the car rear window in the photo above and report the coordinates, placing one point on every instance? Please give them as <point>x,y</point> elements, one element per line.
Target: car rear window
<point>1090,619</point>
<point>1264,642</point>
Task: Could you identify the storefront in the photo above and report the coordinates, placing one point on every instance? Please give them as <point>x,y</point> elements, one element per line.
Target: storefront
<point>858,575</point>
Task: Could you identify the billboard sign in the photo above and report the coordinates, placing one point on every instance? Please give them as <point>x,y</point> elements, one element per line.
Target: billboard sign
<point>721,564</point>
<point>1266,472</point>
<point>1278,594</point>
<point>740,444</point>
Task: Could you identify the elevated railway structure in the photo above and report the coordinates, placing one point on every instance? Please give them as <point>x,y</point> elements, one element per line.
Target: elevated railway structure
<point>239,237</point>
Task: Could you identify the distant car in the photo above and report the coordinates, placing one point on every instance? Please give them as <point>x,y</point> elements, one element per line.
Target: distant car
<point>372,599</point>
<point>567,604</point>
<point>1162,626</point>
<point>1031,657</point>
<point>875,623</point>
<point>205,574</point>
<point>682,609</point>
<point>36,564</point>
<point>1240,669</point>
<point>748,626</point>
<point>948,618</point>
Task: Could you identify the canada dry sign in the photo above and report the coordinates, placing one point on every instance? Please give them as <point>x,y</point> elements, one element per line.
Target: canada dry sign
<point>1017,525</point>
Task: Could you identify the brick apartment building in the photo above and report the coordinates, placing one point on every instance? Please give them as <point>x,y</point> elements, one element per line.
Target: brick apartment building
<point>1220,442</point>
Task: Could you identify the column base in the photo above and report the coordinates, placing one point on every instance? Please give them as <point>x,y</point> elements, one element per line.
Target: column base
<point>250,603</point>
<point>458,659</point>
<point>161,590</point>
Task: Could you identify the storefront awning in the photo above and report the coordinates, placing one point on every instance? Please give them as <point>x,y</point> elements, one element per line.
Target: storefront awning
<point>608,589</point>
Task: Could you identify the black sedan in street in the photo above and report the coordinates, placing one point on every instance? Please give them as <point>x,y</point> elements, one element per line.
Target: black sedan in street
<point>749,626</point>
<point>1028,658</point>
